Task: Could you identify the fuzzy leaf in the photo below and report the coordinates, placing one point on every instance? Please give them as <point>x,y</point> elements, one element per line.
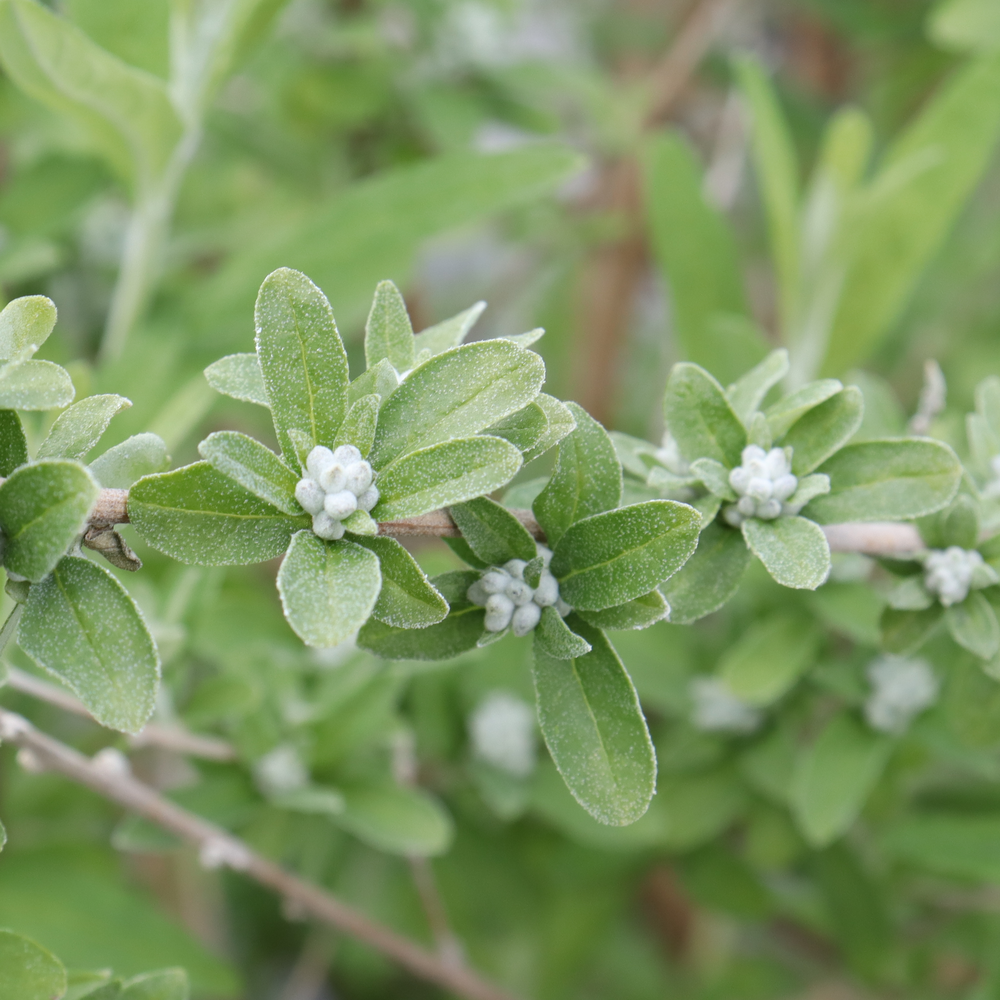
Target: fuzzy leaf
<point>595,731</point>
<point>700,418</point>
<point>380,381</point>
<point>359,425</point>
<point>553,638</point>
<point>13,444</point>
<point>791,408</point>
<point>973,624</point>
<point>958,524</point>
<point>639,613</point>
<point>252,465</point>
<point>560,423</point>
<point>388,333</point>
<point>715,477</point>
<point>910,595</point>
<point>328,589</point>
<point>35,385</point>
<point>140,455</point>
<point>450,332</point>
<point>238,376</point>
<point>168,984</point>
<point>747,393</point>
<point>793,550</point>
<point>821,431</point>
<point>82,626</point>
<point>523,429</point>
<point>79,428</point>
<point>25,324</point>
<point>30,972</point>
<point>904,632</point>
<point>398,820</point>
<point>492,532</point>
<point>361,523</point>
<point>407,598</point>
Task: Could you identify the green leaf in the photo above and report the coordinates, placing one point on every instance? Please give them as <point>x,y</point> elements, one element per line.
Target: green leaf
<point>25,323</point>
<point>700,418</point>
<point>43,508</point>
<point>34,385</point>
<point>835,776</point>
<point>81,625</point>
<point>824,429</point>
<point>523,429</point>
<point>456,394</point>
<point>29,971</point>
<point>127,111</point>
<point>407,598</point>
<point>13,444</point>
<point>886,480</point>
<point>640,613</point>
<point>714,476</point>
<point>904,632</point>
<point>359,425</point>
<point>961,846</point>
<point>553,638</point>
<point>388,333</point>
<point>966,25</point>
<point>239,376</point>
<point>380,381</point>
<point>747,393</point>
<point>492,532</point>
<point>360,523</point>
<point>140,455</point>
<point>973,624</point>
<point>328,589</point>
<point>587,478</point>
<point>611,558</point>
<point>448,333</point>
<point>793,550</point>
<point>784,413</point>
<point>170,984</point>
<point>910,595</point>
<point>957,524</point>
<point>459,632</point>
<point>560,423</point>
<point>252,465</point>
<point>445,474</point>
<point>198,515</point>
<point>79,428</point>
<point>595,731</point>
<point>404,821</point>
<point>301,358</point>
<point>769,658</point>
<point>710,577</point>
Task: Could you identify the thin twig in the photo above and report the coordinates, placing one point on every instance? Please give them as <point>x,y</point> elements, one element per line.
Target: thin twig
<point>877,538</point>
<point>218,847</point>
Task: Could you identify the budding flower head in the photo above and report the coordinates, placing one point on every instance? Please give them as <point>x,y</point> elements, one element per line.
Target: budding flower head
<point>901,689</point>
<point>335,485</point>
<point>502,729</point>
<point>951,573</point>
<point>280,771</point>
<point>716,709</point>
<point>764,484</point>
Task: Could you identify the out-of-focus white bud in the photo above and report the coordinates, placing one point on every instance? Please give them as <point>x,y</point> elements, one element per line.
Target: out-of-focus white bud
<point>499,610</point>
<point>318,461</point>
<point>739,478</point>
<point>477,594</point>
<point>340,505</point>
<point>901,689</point>
<point>759,488</point>
<point>326,527</point>
<point>948,573</point>
<point>525,618</point>
<point>519,592</point>
<point>547,591</point>
<point>784,487</point>
<point>716,709</point>
<point>502,729</point>
<point>280,771</point>
<point>310,495</point>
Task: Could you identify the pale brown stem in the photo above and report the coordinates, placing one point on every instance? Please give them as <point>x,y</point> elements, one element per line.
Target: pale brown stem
<point>218,846</point>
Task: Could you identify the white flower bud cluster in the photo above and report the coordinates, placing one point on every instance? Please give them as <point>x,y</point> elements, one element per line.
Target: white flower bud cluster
<point>715,709</point>
<point>901,690</point>
<point>764,483</point>
<point>336,484</point>
<point>949,573</point>
<point>502,729</point>
<point>510,601</point>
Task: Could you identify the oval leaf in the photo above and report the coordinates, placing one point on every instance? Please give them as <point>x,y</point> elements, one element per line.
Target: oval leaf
<point>493,533</point>
<point>640,613</point>
<point>253,466</point>
<point>140,455</point>
<point>407,598</point>
<point>13,444</point>
<point>35,385</point>
<point>793,550</point>
<point>769,658</point>
<point>973,624</point>
<point>239,376</point>
<point>398,820</point>
<point>554,638</point>
<point>818,433</point>
<point>388,333</point>
<point>700,418</point>
<point>29,971</point>
<point>25,324</point>
<point>79,428</point>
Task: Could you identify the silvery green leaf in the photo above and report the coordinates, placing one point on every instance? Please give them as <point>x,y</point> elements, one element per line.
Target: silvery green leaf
<point>197,515</point>
<point>670,484</point>
<point>821,431</point>
<point>25,324</point>
<point>910,595</point>
<point>361,523</point>
<point>587,478</point>
<point>714,476</point>
<point>30,972</point>
<point>973,625</point>
<point>759,432</point>
<point>140,455</point>
<point>957,524</point>
<point>793,550</point>
<point>636,455</point>
<point>7,632</point>
<point>887,480</point>
<point>79,428</point>
<point>456,394</point>
<point>407,598</point>
<point>526,339</point>
<point>747,393</point>
<point>358,427</point>
<point>708,506</point>
<point>710,577</point>
<point>301,358</point>
<point>328,589</point>
<point>595,731</point>
<point>388,333</point>
<point>810,487</point>
<point>612,558</point>
<point>43,509</point>
<point>169,984</point>
<point>560,423</point>
<point>35,385</point>
<point>523,429</point>
<point>792,407</point>
<point>904,632</point>
<point>492,532</point>
<point>450,332</point>
<point>458,633</point>
<point>239,376</point>
<point>313,799</point>
<point>445,474</point>
<point>553,638</point>
<point>398,820</point>
<point>254,466</point>
<point>639,613</point>
<point>81,625</point>
<point>700,418</point>
<point>380,380</point>
<point>13,444</point>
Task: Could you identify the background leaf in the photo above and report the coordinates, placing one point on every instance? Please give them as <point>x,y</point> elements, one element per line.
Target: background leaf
<point>79,428</point>
<point>388,333</point>
<point>30,972</point>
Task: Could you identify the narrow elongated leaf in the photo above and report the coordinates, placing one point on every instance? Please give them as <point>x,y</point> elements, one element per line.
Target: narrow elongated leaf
<point>359,425</point>
<point>973,624</point>
<point>794,550</point>
<point>747,393</point>
<point>456,394</point>
<point>769,658</point>
<point>43,508</point>
<point>492,532</point>
<point>13,444</point>
<point>458,633</point>
<point>25,324</point>
<point>821,431</point>
<point>82,626</point>
<point>886,480</point>
<point>787,410</point>
<point>253,466</point>
<point>167,984</point>
<point>35,385</point>
<point>611,558</point>
<point>587,478</point>
<point>328,589</point>
<point>30,972</point>
<point>140,455</point>
<point>560,422</point>
<point>404,821</point>
<point>595,731</point>
<point>407,598</point>
<point>445,474</point>
<point>380,381</point>
<point>79,428</point>
<point>450,332</point>
<point>554,638</point>
<point>301,358</point>
<point>239,376</point>
<point>388,333</point>
<point>640,613</point>
<point>834,777</point>
<point>198,515</point>
<point>700,418</point>
<point>523,429</point>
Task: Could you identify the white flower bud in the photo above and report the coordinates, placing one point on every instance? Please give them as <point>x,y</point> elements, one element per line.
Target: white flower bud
<point>477,594</point>
<point>746,506</point>
<point>333,478</point>
<point>499,610</point>
<point>369,498</point>
<point>319,460</point>
<point>525,618</point>
<point>759,488</point>
<point>753,453</point>
<point>519,592</point>
<point>716,709</point>
<point>738,479</point>
<point>327,527</point>
<point>776,463</point>
<point>516,568</point>
<point>545,553</point>
<point>901,690</point>
<point>310,495</point>
<point>347,454</point>
<point>495,581</point>
<point>503,733</point>
<point>769,509</point>
<point>280,771</point>
<point>733,516</point>
<point>949,573</point>
<point>358,477</point>
<point>547,591</point>
<point>784,487</point>
<point>340,505</point>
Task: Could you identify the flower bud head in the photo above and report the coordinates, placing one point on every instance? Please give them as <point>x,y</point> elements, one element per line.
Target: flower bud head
<point>358,477</point>
<point>525,618</point>
<point>310,495</point>
<point>327,527</point>
<point>547,591</point>
<point>332,479</point>
<point>499,610</point>
<point>340,505</point>
<point>347,454</point>
<point>495,581</point>
<point>519,592</point>
<point>369,498</point>
<point>318,461</point>
<point>516,568</point>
